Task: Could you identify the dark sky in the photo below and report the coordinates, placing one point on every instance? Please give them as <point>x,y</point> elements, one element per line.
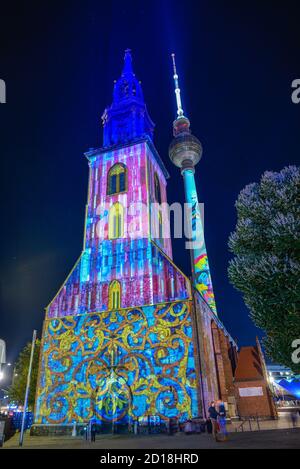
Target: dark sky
<point>236,62</point>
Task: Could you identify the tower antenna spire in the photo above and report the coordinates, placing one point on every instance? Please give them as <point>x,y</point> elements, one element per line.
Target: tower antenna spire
<point>177,89</point>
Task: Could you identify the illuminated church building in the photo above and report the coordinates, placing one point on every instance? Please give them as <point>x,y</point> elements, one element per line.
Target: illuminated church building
<point>129,335</point>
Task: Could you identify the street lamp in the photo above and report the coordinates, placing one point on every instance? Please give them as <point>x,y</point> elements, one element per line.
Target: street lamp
<point>1,372</point>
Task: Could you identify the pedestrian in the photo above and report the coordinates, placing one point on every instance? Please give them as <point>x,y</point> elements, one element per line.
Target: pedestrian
<point>222,420</point>
<point>188,429</point>
<point>93,432</point>
<point>213,417</point>
<point>294,417</point>
<point>173,426</point>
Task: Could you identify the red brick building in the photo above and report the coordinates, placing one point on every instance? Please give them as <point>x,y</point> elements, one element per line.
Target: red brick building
<point>253,394</point>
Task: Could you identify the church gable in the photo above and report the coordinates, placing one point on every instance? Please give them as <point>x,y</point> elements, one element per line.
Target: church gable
<point>146,275</point>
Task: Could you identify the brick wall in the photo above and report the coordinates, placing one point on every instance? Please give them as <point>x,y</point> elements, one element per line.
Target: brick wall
<point>224,369</point>
<point>228,392</point>
<point>261,406</point>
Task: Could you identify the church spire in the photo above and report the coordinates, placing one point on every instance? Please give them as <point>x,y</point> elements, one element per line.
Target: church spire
<point>127,118</point>
<point>127,68</point>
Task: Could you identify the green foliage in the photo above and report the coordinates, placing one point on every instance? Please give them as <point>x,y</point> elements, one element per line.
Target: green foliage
<point>266,263</point>
<point>18,388</point>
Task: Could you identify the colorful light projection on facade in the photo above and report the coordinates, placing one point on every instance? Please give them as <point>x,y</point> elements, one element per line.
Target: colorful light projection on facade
<point>118,365</point>
<point>118,340</point>
<point>185,152</point>
<point>201,271</point>
<point>146,277</point>
<point>119,243</point>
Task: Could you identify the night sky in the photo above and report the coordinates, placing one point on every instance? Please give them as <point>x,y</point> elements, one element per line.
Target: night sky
<point>236,62</point>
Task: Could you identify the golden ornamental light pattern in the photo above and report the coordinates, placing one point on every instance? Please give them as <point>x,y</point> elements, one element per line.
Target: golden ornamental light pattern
<point>118,365</point>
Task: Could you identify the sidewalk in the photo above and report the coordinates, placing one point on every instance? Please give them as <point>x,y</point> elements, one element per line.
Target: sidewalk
<point>279,439</point>
<point>284,422</point>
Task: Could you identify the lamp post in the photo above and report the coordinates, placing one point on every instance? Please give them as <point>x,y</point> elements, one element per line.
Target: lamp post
<point>1,371</point>
<point>5,396</point>
<point>27,388</point>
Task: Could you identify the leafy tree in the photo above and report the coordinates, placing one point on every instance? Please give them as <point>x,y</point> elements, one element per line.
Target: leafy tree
<point>266,263</point>
<point>18,387</point>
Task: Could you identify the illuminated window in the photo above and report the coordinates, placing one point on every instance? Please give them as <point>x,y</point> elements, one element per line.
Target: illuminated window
<point>157,189</point>
<point>117,179</point>
<point>160,226</point>
<point>116,221</point>
<point>114,295</point>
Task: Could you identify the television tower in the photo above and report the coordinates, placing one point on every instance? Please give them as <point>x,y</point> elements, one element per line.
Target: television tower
<point>185,152</point>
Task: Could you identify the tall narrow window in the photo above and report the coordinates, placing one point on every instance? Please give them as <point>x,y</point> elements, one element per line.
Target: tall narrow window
<point>114,295</point>
<point>157,189</point>
<point>160,226</point>
<point>116,221</point>
<point>117,179</point>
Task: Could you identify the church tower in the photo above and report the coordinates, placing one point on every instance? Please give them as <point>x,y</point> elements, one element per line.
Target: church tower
<point>119,341</point>
<point>127,336</point>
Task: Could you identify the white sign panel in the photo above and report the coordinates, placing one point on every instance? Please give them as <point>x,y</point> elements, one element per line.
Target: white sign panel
<point>251,392</point>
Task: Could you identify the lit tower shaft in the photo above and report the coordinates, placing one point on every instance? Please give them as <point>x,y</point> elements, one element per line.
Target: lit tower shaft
<point>185,152</point>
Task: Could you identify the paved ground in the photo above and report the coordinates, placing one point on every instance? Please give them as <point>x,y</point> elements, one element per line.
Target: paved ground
<point>279,439</point>
<point>283,422</point>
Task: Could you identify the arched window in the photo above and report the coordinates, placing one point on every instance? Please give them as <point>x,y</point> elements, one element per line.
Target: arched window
<point>114,295</point>
<point>116,221</point>
<point>157,189</point>
<point>117,179</point>
<point>160,226</point>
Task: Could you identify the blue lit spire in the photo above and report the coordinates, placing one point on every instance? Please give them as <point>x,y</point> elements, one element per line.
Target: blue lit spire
<point>127,69</point>
<point>127,118</point>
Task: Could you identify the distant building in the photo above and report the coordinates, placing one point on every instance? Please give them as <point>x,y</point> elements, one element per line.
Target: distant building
<point>285,384</point>
<point>278,371</point>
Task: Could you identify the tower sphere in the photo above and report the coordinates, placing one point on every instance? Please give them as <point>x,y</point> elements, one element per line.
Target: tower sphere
<point>185,150</point>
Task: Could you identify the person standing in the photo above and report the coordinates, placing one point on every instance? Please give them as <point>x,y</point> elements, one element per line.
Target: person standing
<point>188,429</point>
<point>213,416</point>
<point>93,432</point>
<point>294,418</point>
<point>222,419</point>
